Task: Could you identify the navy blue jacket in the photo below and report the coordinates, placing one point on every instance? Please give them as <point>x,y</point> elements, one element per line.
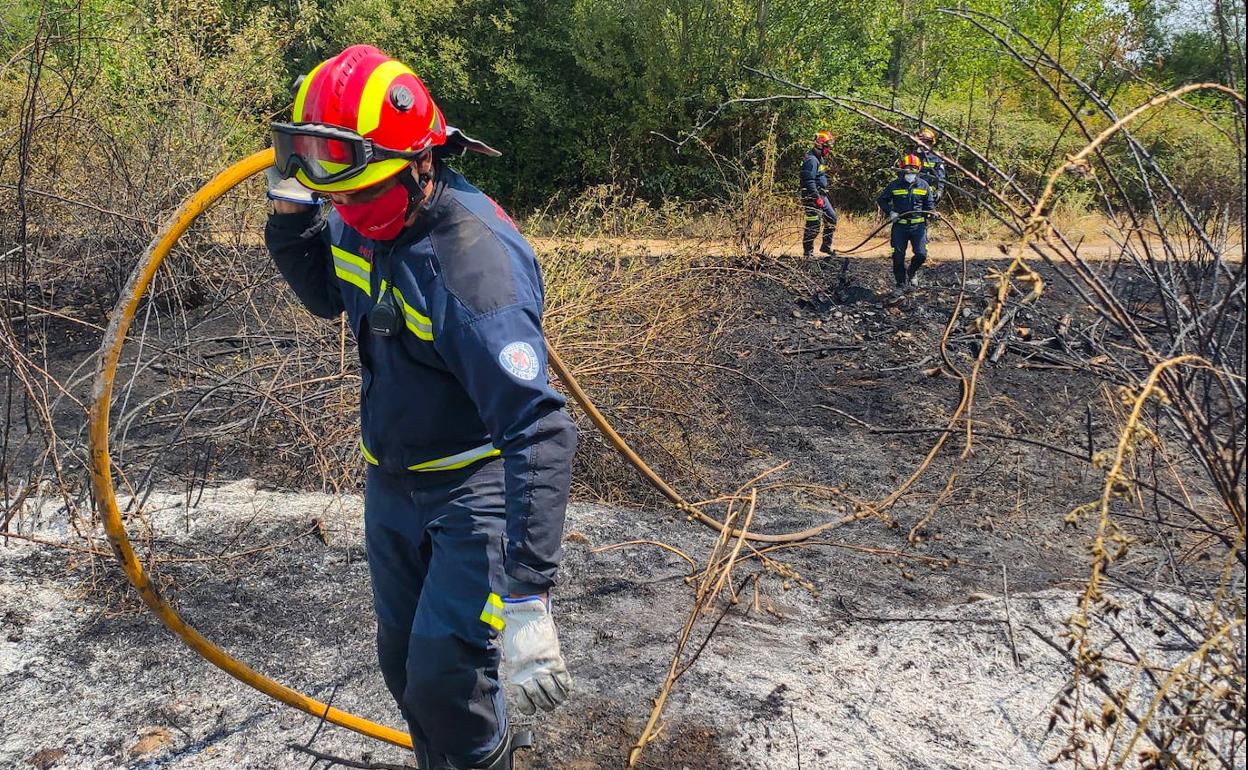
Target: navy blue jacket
<point>902,197</point>
<point>465,377</point>
<point>814,176</point>
<point>933,170</point>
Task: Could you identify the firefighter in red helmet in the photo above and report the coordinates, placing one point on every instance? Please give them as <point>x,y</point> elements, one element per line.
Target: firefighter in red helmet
<point>816,204</point>
<point>468,447</point>
<point>906,201</point>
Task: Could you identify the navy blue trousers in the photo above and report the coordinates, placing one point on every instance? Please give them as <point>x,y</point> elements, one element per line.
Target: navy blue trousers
<point>817,215</point>
<point>435,553</point>
<point>914,236</point>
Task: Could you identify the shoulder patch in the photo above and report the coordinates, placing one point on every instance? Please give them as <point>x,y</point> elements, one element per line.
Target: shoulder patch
<point>520,360</point>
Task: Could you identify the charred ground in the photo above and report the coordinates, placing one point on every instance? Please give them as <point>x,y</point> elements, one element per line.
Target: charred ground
<point>893,653</point>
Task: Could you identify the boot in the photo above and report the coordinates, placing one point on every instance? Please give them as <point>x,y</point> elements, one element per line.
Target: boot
<point>826,248</point>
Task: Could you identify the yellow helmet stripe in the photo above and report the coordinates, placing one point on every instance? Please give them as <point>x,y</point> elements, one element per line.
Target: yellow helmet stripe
<point>377,171</point>
<point>302,93</point>
<point>374,95</point>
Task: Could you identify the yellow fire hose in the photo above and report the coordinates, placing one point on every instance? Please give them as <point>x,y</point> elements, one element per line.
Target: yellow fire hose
<point>106,498</point>
<point>102,472</point>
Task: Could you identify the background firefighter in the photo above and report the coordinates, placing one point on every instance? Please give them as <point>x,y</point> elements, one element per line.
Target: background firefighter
<point>814,190</point>
<point>469,449</point>
<point>932,169</point>
<point>905,202</point>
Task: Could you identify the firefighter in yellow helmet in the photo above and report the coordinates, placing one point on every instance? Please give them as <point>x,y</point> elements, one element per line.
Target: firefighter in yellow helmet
<point>933,166</point>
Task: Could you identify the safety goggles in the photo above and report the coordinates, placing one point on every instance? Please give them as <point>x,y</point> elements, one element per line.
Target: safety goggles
<point>327,154</point>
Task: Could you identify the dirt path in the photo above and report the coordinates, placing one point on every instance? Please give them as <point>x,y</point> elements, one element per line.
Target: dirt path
<point>855,678</point>
<point>1094,245</point>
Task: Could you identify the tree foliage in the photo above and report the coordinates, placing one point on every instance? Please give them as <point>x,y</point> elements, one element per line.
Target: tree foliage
<point>584,92</point>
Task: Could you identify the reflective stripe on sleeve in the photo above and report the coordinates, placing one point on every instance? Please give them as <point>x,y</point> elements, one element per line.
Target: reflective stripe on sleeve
<point>920,191</point>
<point>492,613</point>
<point>352,269</point>
<point>457,461</point>
<point>454,462</point>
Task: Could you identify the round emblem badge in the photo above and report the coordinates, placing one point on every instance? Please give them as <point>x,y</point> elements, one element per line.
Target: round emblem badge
<point>520,359</point>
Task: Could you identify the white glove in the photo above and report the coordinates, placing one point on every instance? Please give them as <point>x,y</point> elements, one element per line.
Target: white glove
<point>892,216</point>
<point>287,189</point>
<point>536,673</point>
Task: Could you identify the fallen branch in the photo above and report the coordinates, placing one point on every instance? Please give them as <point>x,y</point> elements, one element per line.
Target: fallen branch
<point>703,598</point>
<point>693,566</point>
<point>322,756</point>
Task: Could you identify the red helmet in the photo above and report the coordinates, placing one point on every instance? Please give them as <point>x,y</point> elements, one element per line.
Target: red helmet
<point>823,143</point>
<point>909,161</point>
<point>381,99</point>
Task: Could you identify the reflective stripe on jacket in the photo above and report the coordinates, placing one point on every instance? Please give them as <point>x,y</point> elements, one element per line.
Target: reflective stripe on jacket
<point>903,197</point>
<point>465,377</point>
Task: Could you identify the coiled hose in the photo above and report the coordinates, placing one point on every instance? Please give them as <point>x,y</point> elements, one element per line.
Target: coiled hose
<point>106,497</point>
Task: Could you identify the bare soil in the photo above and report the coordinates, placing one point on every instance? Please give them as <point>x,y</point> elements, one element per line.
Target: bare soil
<point>852,677</point>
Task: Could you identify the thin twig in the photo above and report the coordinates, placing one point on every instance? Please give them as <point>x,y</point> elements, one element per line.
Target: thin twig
<point>1009,621</point>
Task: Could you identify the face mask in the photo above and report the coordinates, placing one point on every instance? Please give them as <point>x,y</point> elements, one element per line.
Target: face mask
<point>910,178</point>
<point>381,219</point>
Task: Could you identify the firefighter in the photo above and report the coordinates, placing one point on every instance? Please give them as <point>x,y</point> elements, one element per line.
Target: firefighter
<point>815,203</point>
<point>906,201</point>
<point>933,170</point>
<point>468,448</point>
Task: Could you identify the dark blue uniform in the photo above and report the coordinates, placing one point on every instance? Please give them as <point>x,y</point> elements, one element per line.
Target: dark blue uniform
<point>814,188</point>
<point>904,198</point>
<point>470,449</point>
<point>933,172</point>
